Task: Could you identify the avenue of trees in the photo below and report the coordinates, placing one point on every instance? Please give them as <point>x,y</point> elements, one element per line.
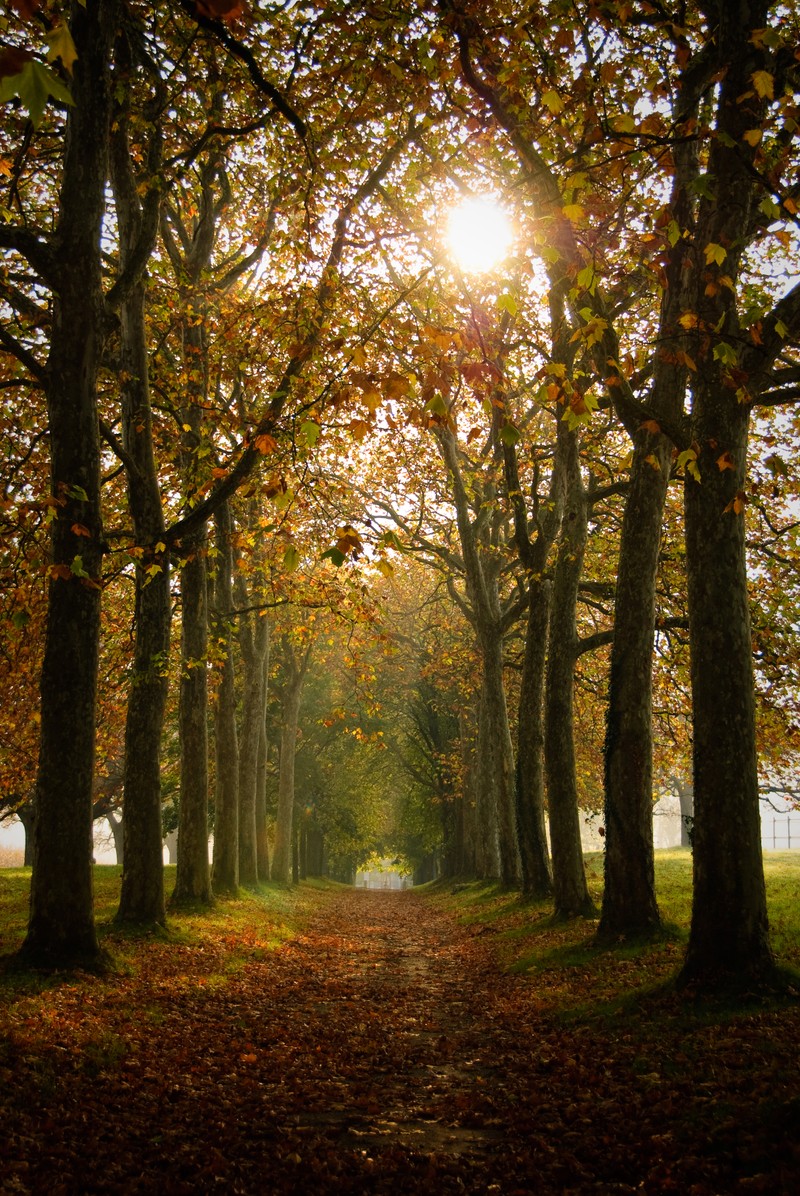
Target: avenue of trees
<point>314,540</point>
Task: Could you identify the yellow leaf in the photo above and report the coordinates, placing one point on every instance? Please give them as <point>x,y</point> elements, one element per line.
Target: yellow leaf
<point>764,84</point>
<point>60,45</point>
<point>653,462</point>
<point>572,211</point>
<point>552,100</point>
<point>752,136</point>
<point>385,568</point>
<point>714,253</point>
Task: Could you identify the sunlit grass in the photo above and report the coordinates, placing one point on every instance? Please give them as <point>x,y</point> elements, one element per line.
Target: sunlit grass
<point>564,956</point>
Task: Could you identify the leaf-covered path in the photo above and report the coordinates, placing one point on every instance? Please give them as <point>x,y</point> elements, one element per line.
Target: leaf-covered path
<point>382,1050</point>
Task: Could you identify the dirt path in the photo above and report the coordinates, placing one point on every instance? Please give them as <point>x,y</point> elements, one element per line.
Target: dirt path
<point>382,1051</point>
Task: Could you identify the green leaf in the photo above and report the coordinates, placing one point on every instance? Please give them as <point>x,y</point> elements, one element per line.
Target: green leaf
<point>725,353</point>
<point>673,233</point>
<point>310,431</point>
<point>507,302</point>
<point>587,280</point>
<point>76,567</point>
<point>333,554</point>
<point>34,85</point>
<point>510,435</point>
<point>436,406</point>
<point>291,559</point>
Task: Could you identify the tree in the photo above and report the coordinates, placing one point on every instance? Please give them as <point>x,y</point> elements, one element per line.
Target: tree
<point>61,928</point>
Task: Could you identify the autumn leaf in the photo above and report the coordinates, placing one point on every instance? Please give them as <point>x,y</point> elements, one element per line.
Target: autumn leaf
<point>291,559</point>
<point>553,102</point>
<point>12,62</point>
<point>265,443</point>
<point>737,503</point>
<point>35,85</point>
<point>217,10</point>
<point>764,83</point>
<point>725,461</point>
<point>714,254</point>
<point>60,45</point>
<point>688,460</point>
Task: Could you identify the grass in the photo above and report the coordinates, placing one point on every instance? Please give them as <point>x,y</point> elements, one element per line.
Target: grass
<point>213,944</point>
<point>580,975</point>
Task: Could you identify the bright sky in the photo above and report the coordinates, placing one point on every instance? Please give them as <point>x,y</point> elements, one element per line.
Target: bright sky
<point>479,233</point>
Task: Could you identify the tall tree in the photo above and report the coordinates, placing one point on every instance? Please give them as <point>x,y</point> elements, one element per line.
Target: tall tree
<point>142,892</point>
<point>61,928</point>
<point>735,365</point>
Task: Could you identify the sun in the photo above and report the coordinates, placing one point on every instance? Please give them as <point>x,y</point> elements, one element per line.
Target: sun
<point>479,233</point>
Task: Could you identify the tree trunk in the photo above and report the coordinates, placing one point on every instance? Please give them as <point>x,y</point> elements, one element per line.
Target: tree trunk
<point>529,790</point>
<point>486,840</point>
<point>254,643</point>
<point>501,774</point>
<point>61,928</point>
<point>118,835</point>
<point>295,672</point>
<point>629,895</point>
<point>686,800</point>
<point>225,873</point>
<point>728,940</point>
<point>570,891</point>
<point>262,840</point>
<point>193,876</point>
<point>142,892</point>
<point>27,816</point>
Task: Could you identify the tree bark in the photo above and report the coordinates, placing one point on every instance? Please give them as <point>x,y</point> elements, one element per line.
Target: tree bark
<point>254,643</point>
<point>61,929</point>
<point>570,891</point>
<point>225,872</point>
<point>193,875</point>
<point>629,896</point>
<point>142,891</point>
<point>295,672</point>
<point>262,840</point>
<point>531,833</point>
<point>497,741</point>
<point>728,941</point>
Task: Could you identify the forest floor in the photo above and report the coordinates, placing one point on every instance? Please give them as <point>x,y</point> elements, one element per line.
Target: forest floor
<point>375,1042</point>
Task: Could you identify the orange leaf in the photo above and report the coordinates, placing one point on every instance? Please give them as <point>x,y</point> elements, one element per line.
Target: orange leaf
<point>219,9</point>
<point>266,443</point>
<point>78,529</point>
<point>651,425</point>
<point>724,462</point>
<point>737,503</point>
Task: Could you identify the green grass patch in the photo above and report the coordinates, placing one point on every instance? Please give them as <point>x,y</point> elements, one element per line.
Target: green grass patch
<point>584,979</point>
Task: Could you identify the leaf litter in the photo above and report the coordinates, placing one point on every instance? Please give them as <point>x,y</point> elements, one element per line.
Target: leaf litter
<point>384,1048</point>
